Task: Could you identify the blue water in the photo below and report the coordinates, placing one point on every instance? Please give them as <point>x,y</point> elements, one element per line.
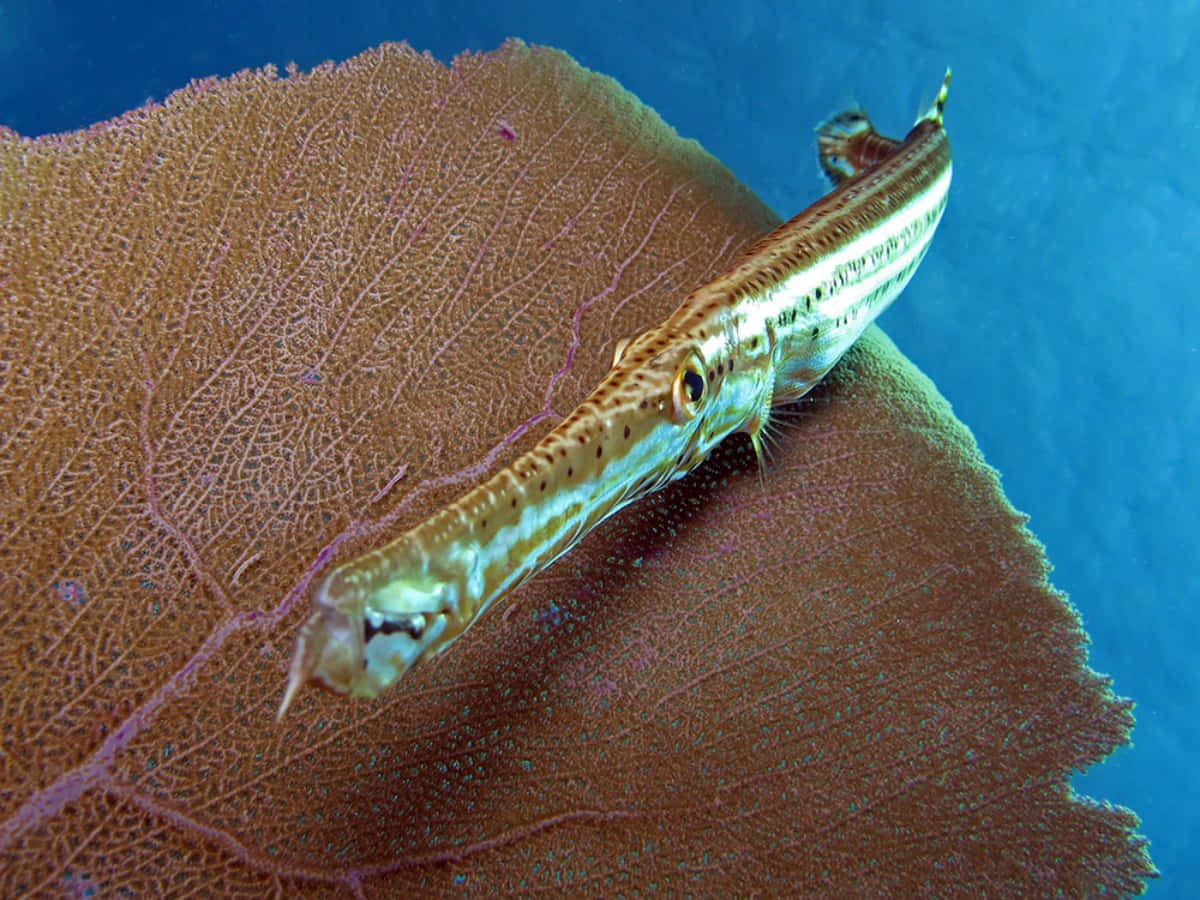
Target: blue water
<point>1057,310</point>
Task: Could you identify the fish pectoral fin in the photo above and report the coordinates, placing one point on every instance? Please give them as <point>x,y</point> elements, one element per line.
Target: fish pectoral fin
<point>619,350</point>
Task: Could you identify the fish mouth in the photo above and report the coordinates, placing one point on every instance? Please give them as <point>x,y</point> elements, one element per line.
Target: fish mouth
<point>329,651</point>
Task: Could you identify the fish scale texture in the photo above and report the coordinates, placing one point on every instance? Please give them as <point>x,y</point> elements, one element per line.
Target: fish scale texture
<point>273,322</point>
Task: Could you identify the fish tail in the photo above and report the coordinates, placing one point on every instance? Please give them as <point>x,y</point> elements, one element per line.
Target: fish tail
<point>934,113</point>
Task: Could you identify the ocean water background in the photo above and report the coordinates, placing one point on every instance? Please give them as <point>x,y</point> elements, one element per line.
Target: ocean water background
<point>1057,309</point>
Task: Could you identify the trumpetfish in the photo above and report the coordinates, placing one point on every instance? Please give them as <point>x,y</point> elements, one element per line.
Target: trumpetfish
<point>761,334</point>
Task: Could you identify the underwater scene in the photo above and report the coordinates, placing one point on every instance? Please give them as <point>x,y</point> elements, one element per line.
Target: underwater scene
<point>331,332</point>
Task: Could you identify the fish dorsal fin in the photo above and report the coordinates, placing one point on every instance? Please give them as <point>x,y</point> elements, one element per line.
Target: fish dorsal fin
<point>836,138</point>
<point>848,143</point>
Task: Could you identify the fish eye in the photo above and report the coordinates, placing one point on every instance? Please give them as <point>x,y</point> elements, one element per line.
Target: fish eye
<point>688,390</point>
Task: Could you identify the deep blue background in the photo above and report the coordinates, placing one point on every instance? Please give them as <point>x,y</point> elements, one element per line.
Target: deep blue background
<point>1057,309</point>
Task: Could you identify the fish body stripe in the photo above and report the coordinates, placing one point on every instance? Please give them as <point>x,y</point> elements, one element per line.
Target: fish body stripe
<point>823,277</point>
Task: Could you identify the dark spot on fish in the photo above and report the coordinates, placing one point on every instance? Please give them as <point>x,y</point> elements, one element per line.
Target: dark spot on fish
<point>543,487</point>
<point>626,432</point>
<point>599,451</point>
<point>513,504</point>
<point>570,471</point>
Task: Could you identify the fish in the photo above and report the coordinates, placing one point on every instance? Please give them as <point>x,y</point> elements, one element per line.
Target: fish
<point>759,335</point>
